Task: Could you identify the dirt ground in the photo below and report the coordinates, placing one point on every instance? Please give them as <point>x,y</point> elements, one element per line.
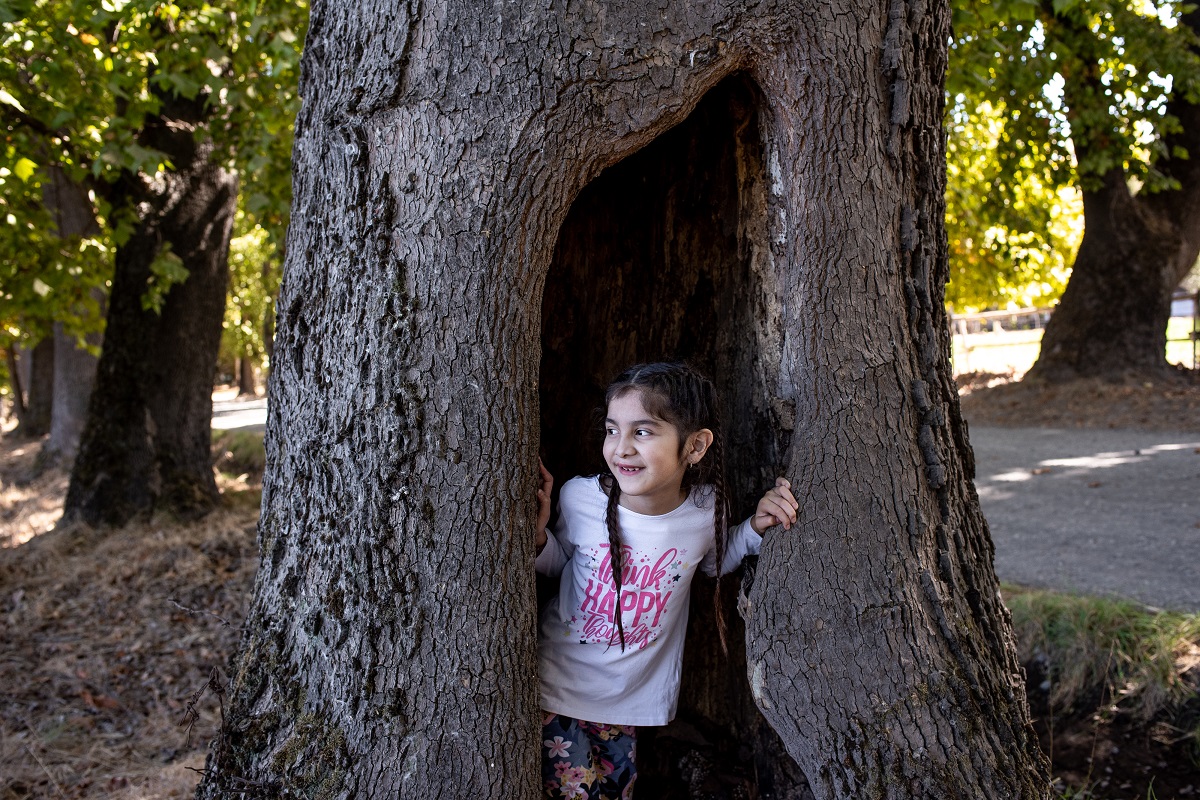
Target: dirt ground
<point>111,642</point>
<point>1165,405</point>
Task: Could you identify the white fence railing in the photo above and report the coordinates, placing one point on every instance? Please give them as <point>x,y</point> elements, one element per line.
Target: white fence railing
<point>1007,342</point>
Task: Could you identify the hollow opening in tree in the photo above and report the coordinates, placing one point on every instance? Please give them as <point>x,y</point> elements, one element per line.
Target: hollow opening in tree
<point>656,261</point>
<point>659,259</point>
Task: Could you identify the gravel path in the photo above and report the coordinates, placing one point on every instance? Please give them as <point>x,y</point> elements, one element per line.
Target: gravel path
<point>241,413</point>
<point>1113,512</point>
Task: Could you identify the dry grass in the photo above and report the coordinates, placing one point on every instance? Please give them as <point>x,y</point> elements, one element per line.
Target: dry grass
<point>1143,662</point>
<point>106,636</point>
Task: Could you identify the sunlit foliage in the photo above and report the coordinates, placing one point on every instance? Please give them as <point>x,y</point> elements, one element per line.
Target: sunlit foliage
<point>79,82</point>
<point>1043,97</point>
<point>253,285</point>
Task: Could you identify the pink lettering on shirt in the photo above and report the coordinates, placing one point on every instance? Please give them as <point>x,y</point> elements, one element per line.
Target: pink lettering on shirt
<point>645,592</point>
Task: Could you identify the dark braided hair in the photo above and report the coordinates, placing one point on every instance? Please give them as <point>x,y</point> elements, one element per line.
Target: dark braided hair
<point>687,400</point>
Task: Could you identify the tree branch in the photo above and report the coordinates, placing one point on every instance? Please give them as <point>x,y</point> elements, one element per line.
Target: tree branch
<point>14,117</point>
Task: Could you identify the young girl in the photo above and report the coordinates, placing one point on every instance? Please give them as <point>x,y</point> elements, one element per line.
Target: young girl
<point>627,544</point>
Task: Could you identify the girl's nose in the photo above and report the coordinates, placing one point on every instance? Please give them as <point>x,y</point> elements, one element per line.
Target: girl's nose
<point>625,446</point>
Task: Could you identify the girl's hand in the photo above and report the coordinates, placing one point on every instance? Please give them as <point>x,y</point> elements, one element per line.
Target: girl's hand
<point>546,483</point>
<point>777,507</point>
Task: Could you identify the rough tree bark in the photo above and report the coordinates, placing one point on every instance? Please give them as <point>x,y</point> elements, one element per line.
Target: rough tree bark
<point>798,252</point>
<point>147,440</point>
<point>1136,248</point>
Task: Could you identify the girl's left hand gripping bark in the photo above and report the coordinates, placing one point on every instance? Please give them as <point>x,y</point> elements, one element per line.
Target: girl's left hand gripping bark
<point>777,507</point>
<point>545,484</point>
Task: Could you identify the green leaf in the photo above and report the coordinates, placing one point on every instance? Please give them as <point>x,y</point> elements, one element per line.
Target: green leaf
<point>24,169</point>
<point>257,202</point>
<point>62,118</point>
<point>166,270</point>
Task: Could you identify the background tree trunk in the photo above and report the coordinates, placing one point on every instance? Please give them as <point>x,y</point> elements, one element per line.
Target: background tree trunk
<point>788,238</point>
<point>147,441</point>
<point>39,389</point>
<point>1112,318</point>
<point>74,366</point>
<point>17,380</point>
<point>74,376</point>
<point>247,386</point>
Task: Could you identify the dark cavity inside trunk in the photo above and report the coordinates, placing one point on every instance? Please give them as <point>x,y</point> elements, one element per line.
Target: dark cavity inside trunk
<point>654,262</point>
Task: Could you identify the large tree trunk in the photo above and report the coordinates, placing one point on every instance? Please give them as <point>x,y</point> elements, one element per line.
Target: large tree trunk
<point>147,441</point>
<point>789,238</point>
<point>74,366</point>
<point>268,320</point>
<point>1112,318</point>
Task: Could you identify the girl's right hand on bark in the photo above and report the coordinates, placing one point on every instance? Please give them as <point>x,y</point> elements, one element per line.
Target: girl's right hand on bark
<point>777,507</point>
<point>545,484</point>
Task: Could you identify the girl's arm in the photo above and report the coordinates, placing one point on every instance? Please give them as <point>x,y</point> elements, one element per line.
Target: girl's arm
<point>551,555</point>
<point>777,507</point>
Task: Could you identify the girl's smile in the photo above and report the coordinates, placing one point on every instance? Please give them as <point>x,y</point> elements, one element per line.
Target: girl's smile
<point>646,456</point>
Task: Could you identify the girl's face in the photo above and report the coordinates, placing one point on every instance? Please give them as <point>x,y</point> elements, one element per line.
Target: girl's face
<point>645,455</point>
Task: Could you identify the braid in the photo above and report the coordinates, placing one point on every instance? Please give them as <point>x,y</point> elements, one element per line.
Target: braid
<point>712,473</point>
<point>721,528</point>
<point>615,553</point>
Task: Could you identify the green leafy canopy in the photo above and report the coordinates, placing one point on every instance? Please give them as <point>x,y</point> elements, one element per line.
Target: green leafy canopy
<point>1046,97</point>
<point>78,82</point>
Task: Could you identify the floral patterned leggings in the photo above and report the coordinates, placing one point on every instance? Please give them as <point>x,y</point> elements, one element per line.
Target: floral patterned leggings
<point>587,760</point>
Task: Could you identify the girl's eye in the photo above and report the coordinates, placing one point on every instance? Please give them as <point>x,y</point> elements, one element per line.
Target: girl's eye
<point>610,431</point>
<point>642,432</point>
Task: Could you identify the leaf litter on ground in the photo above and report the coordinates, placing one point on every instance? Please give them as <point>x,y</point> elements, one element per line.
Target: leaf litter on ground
<point>107,636</point>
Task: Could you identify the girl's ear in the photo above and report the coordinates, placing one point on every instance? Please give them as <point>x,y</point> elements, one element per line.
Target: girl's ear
<point>698,444</point>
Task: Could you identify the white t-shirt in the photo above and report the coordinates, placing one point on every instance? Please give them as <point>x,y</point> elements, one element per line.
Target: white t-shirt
<point>584,673</point>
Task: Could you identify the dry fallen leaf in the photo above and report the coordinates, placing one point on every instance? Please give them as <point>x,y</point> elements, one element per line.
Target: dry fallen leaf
<point>99,701</point>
